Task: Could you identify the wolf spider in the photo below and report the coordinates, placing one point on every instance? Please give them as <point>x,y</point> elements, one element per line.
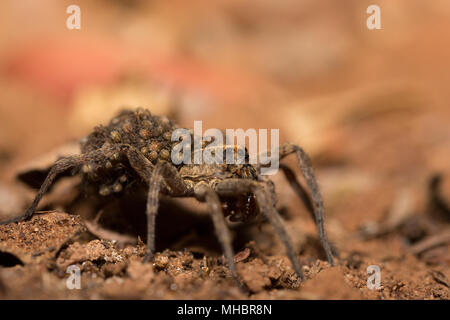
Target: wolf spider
<point>134,149</point>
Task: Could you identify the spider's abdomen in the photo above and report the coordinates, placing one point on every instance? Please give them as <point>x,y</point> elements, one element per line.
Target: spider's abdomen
<point>150,135</point>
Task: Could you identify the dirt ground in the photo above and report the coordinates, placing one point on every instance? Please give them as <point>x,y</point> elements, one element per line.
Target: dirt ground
<point>370,107</point>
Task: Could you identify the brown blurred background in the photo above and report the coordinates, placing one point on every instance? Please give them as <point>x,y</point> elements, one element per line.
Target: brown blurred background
<point>377,99</point>
<point>370,106</point>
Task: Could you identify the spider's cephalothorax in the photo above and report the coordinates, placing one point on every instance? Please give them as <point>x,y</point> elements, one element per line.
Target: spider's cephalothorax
<point>135,149</point>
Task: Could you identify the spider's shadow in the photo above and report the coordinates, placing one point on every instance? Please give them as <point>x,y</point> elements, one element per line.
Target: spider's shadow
<point>179,225</point>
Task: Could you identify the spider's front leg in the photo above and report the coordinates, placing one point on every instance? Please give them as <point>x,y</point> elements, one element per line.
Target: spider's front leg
<point>308,173</point>
<point>59,167</point>
<point>155,176</point>
<point>265,200</point>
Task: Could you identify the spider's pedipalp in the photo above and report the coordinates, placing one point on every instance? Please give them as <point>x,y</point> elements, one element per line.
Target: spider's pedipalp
<point>60,166</point>
<point>311,181</point>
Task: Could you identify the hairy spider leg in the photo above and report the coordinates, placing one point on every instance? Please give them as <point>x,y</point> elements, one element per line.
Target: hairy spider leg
<point>60,166</point>
<point>298,189</point>
<point>204,193</point>
<point>275,219</point>
<point>164,172</point>
<point>311,181</point>
<point>155,176</point>
<point>266,204</point>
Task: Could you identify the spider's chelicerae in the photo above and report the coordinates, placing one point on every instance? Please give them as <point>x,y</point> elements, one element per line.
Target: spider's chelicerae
<point>135,149</point>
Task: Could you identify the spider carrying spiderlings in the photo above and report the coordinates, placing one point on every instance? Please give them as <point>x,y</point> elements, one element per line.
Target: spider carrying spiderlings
<point>134,149</point>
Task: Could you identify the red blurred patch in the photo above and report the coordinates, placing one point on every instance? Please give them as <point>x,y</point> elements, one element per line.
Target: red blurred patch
<point>60,67</point>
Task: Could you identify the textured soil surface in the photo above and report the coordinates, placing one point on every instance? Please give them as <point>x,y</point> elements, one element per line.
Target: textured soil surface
<point>35,256</point>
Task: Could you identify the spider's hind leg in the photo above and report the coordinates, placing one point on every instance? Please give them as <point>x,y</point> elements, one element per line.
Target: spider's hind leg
<point>311,181</point>
<point>298,189</point>
<point>60,166</point>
